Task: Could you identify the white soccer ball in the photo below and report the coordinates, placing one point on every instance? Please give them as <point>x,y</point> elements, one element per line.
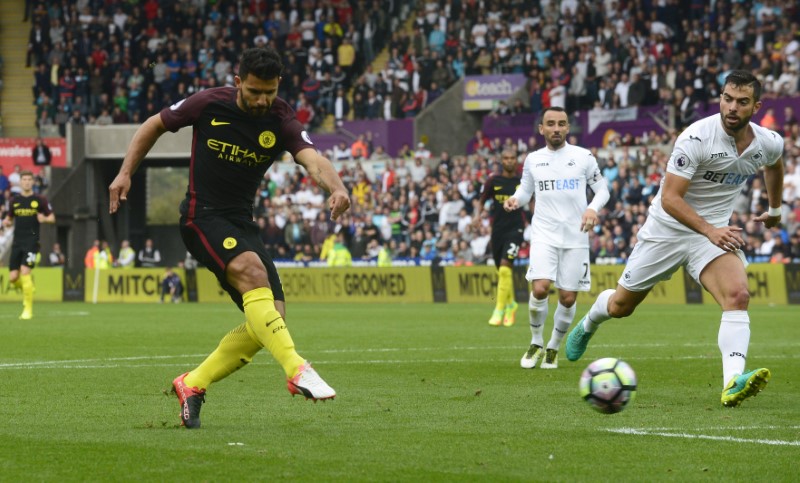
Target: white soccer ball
<point>608,385</point>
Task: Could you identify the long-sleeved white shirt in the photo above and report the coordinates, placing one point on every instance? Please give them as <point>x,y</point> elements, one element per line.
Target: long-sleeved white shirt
<point>559,179</point>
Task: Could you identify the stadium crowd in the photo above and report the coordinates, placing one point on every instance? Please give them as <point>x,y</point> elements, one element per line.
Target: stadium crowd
<point>111,61</point>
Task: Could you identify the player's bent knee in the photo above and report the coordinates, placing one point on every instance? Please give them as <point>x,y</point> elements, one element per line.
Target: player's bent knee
<point>541,294</point>
<point>567,300</point>
<point>739,299</point>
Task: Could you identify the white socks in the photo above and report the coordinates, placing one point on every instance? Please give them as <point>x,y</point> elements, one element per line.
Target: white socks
<point>599,311</point>
<point>733,340</point>
<point>562,319</point>
<point>537,312</point>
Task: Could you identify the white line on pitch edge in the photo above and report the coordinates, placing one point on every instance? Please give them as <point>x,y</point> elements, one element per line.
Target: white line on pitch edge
<point>732,439</point>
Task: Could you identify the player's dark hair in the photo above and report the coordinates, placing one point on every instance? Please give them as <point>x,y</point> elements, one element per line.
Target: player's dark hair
<point>263,62</point>
<point>26,172</point>
<point>743,78</point>
<point>554,109</point>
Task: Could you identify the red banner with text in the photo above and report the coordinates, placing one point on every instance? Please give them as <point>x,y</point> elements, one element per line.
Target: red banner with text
<point>19,151</point>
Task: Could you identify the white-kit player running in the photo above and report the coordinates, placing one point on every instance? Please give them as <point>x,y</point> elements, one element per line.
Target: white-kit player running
<point>688,226</point>
<point>557,175</point>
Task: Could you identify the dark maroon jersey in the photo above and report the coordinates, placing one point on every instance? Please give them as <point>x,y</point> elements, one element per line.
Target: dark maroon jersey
<point>24,210</point>
<point>231,150</point>
<point>498,189</point>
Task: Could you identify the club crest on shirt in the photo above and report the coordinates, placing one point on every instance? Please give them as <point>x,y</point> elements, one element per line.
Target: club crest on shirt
<point>34,204</point>
<point>571,162</point>
<point>266,139</point>
<point>229,243</point>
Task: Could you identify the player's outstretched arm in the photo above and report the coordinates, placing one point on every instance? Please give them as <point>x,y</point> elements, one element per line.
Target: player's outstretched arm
<point>142,142</point>
<point>773,180</point>
<point>728,238</point>
<point>321,171</point>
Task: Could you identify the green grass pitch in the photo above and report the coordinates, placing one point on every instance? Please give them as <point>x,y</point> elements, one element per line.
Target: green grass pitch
<point>425,393</point>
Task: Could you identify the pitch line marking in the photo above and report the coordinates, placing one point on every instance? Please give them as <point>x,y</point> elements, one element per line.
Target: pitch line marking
<point>33,364</point>
<point>721,428</point>
<point>732,439</point>
<point>119,362</point>
<point>104,362</point>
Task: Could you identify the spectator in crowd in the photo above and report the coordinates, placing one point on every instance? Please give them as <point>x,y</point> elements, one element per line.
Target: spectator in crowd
<point>340,255</point>
<point>359,149</point>
<point>127,255</point>
<point>14,179</point>
<point>56,256</point>
<point>41,153</point>
<point>88,258</point>
<point>149,256</point>
<point>103,258</point>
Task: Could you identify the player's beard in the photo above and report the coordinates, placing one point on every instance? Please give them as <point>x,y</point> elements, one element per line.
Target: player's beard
<point>251,109</point>
<point>740,123</point>
<point>556,142</point>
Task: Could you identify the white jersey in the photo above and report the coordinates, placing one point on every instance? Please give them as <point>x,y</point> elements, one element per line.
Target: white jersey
<point>559,179</point>
<point>705,154</point>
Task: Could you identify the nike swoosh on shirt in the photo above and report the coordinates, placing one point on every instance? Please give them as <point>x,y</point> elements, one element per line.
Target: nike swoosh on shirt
<point>498,188</point>
<point>214,122</point>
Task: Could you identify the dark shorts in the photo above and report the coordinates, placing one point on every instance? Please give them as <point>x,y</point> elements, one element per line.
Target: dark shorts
<point>23,255</point>
<point>505,246</point>
<point>215,240</point>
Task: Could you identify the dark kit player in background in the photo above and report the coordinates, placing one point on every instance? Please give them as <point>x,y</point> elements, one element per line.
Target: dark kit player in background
<point>26,211</point>
<point>238,133</point>
<point>506,239</point>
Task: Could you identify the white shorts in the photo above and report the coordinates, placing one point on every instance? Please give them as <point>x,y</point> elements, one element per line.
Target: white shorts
<point>660,251</point>
<point>567,267</point>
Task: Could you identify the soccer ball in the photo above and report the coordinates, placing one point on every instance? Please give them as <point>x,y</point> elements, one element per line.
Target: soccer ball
<point>608,385</point>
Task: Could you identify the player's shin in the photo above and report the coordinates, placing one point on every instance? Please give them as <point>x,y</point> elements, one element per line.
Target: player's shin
<point>537,310</point>
<point>234,351</point>
<point>733,340</point>
<point>504,287</point>
<point>599,311</point>
<point>27,291</point>
<point>562,319</point>
<point>265,324</point>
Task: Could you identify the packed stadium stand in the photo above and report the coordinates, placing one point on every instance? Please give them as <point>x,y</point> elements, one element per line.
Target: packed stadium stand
<point>115,62</point>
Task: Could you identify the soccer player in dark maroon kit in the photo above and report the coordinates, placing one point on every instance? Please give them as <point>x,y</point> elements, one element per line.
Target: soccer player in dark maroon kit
<point>238,133</point>
<point>26,210</point>
<point>506,238</point>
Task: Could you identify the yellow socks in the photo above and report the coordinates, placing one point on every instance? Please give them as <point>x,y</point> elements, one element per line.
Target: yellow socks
<point>265,324</point>
<point>505,287</point>
<point>234,351</point>
<point>27,292</point>
<point>264,327</point>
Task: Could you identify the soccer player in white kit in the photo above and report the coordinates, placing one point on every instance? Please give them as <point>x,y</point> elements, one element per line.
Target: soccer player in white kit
<point>558,175</point>
<point>688,226</point>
